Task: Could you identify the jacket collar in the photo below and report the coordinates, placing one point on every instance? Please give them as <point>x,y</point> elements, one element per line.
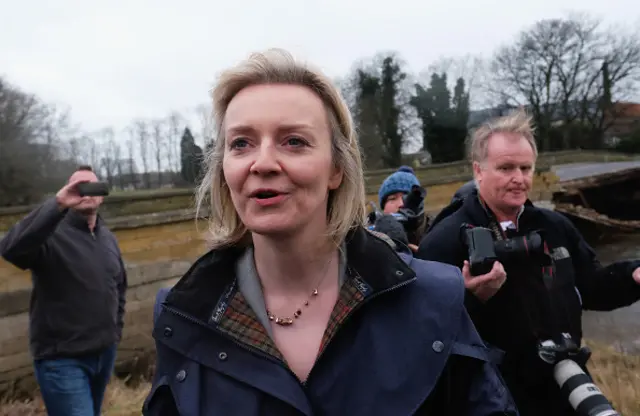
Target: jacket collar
<point>79,221</point>
<point>213,274</point>
<point>480,213</point>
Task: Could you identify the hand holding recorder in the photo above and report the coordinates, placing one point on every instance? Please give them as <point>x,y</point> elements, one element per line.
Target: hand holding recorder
<point>77,191</point>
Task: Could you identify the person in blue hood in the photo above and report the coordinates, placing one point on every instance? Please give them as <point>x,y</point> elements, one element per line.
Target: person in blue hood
<point>392,197</point>
<point>395,187</point>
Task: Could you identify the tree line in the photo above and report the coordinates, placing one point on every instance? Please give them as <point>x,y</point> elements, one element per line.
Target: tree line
<point>40,146</point>
<point>576,77</point>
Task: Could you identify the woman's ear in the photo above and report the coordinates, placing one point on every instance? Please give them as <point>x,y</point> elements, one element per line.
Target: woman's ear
<point>335,179</point>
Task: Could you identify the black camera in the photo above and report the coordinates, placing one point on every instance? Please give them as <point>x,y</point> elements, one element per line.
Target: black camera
<point>484,251</point>
<point>93,189</point>
<point>578,387</point>
<point>412,205</point>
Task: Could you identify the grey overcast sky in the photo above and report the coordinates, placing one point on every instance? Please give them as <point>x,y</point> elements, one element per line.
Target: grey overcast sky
<point>112,61</point>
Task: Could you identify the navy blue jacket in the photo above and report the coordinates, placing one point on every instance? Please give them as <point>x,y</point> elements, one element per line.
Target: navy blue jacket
<point>399,342</point>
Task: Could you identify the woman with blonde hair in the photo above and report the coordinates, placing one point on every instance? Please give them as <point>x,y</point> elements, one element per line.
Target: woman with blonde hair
<point>297,309</point>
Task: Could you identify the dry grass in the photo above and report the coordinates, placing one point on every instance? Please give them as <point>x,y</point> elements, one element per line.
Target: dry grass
<point>617,374</point>
<point>120,400</point>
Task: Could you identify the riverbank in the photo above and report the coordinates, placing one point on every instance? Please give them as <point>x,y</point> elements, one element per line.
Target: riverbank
<point>617,374</point>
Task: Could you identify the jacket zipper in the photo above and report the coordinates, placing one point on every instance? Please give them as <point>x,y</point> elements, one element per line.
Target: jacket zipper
<point>254,350</point>
<point>354,310</point>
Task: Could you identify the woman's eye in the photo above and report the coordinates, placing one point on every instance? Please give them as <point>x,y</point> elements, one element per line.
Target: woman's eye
<point>239,143</point>
<point>296,141</point>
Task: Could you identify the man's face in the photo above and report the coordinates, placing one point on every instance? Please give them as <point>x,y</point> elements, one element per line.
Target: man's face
<point>89,204</point>
<point>505,177</point>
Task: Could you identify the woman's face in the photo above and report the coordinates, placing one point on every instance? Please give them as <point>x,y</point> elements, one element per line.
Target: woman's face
<point>278,161</point>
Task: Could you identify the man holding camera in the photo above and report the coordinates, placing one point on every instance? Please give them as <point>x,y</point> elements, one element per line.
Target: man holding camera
<point>533,275</point>
<point>78,297</point>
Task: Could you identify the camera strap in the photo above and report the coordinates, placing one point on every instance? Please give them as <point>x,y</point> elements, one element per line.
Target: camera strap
<point>546,308</point>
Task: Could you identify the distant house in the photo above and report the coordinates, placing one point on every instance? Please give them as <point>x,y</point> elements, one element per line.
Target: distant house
<point>625,120</point>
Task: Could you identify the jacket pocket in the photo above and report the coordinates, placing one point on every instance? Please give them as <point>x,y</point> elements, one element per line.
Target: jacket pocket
<point>160,401</point>
<point>487,392</point>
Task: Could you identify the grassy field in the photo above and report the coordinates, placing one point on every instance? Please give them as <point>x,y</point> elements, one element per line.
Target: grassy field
<point>618,375</point>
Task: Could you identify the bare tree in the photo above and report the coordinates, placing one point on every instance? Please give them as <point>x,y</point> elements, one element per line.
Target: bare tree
<point>159,146</point>
<point>120,165</point>
<point>74,145</point>
<point>109,160</point>
<point>174,132</point>
<point>32,158</point>
<point>130,165</point>
<point>142,137</point>
<point>95,151</point>
<point>567,71</point>
<point>205,117</point>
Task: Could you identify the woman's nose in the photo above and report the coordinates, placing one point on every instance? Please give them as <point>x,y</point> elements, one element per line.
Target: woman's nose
<point>266,160</point>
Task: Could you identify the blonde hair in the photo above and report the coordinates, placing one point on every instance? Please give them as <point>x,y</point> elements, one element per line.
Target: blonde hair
<point>346,208</point>
<point>517,123</point>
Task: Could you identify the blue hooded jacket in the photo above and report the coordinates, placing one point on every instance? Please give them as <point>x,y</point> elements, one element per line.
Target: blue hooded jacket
<point>402,344</point>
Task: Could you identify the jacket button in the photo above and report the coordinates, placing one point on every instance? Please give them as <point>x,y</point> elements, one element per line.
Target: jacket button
<point>399,272</point>
<point>168,331</point>
<point>437,346</point>
<point>222,356</point>
<point>181,376</point>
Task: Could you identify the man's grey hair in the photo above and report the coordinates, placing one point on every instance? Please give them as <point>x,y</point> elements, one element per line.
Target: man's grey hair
<point>518,123</point>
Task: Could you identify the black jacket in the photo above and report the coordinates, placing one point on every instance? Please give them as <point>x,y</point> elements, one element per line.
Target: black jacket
<point>79,281</point>
<point>514,318</point>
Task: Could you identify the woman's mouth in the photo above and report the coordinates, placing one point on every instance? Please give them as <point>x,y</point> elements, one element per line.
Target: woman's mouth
<point>268,197</point>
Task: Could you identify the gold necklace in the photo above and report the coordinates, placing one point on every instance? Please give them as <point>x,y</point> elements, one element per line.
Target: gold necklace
<point>289,320</point>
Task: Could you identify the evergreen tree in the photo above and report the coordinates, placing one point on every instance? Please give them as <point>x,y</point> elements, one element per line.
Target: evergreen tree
<point>379,112</point>
<point>190,158</point>
<point>393,141</point>
<point>444,118</point>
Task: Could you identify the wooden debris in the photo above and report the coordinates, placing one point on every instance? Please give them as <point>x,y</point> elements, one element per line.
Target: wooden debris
<point>595,217</point>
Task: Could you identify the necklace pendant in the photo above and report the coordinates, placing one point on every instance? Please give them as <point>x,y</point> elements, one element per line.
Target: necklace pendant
<point>284,321</point>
